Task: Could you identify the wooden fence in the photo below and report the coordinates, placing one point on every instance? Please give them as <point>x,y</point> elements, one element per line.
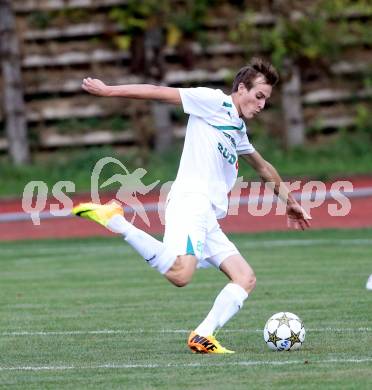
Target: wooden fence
<point>57,53</point>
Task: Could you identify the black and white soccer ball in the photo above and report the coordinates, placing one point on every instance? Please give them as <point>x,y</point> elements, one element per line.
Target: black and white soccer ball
<point>284,331</point>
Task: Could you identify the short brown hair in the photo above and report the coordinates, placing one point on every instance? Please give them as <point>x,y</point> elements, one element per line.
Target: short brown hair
<point>257,67</point>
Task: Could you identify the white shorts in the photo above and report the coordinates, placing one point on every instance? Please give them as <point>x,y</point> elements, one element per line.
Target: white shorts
<point>191,227</point>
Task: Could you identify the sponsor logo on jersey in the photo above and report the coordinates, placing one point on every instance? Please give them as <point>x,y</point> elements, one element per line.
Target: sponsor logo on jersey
<point>230,157</point>
<point>230,138</point>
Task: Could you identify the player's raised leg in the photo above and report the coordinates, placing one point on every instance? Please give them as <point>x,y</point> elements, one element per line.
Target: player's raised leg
<point>227,303</point>
<point>178,269</point>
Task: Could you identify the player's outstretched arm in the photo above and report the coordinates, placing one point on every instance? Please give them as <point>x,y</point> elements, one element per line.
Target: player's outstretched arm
<point>297,216</point>
<point>132,91</point>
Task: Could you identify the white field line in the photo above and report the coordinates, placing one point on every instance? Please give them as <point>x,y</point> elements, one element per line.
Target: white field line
<point>78,250</point>
<point>115,366</point>
<point>306,242</point>
<point>162,331</point>
<point>96,248</point>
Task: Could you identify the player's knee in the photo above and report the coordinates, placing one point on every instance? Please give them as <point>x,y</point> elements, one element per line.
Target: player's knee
<point>251,283</point>
<point>247,281</point>
<point>182,271</point>
<point>182,278</point>
<point>181,281</point>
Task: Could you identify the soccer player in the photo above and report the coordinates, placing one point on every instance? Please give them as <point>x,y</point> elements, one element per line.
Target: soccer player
<point>216,135</point>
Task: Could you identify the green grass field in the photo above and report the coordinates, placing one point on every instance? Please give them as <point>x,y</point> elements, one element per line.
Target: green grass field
<point>90,314</point>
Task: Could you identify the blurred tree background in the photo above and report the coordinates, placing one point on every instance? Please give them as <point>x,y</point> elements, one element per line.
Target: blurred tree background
<point>316,124</point>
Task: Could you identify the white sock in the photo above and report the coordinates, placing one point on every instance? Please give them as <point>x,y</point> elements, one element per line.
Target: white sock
<point>118,224</point>
<point>152,250</point>
<point>228,302</point>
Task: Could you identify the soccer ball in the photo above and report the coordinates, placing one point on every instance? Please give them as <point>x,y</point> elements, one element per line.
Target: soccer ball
<point>284,331</point>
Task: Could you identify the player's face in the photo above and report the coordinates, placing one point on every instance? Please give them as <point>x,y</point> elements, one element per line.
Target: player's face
<point>251,102</point>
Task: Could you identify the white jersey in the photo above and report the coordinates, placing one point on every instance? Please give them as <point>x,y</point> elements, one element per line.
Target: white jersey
<point>215,136</point>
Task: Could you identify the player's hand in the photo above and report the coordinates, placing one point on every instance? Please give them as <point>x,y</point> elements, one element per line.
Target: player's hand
<point>297,217</point>
<point>95,87</point>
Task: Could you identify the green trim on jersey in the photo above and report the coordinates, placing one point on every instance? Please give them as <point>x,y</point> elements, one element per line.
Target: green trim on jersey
<point>225,104</point>
<point>189,247</point>
<point>227,127</point>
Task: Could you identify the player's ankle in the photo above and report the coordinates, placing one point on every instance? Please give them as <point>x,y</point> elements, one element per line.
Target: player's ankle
<point>118,224</point>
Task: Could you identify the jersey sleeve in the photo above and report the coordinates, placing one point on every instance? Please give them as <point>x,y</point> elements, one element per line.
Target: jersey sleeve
<point>244,146</point>
<point>202,102</point>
